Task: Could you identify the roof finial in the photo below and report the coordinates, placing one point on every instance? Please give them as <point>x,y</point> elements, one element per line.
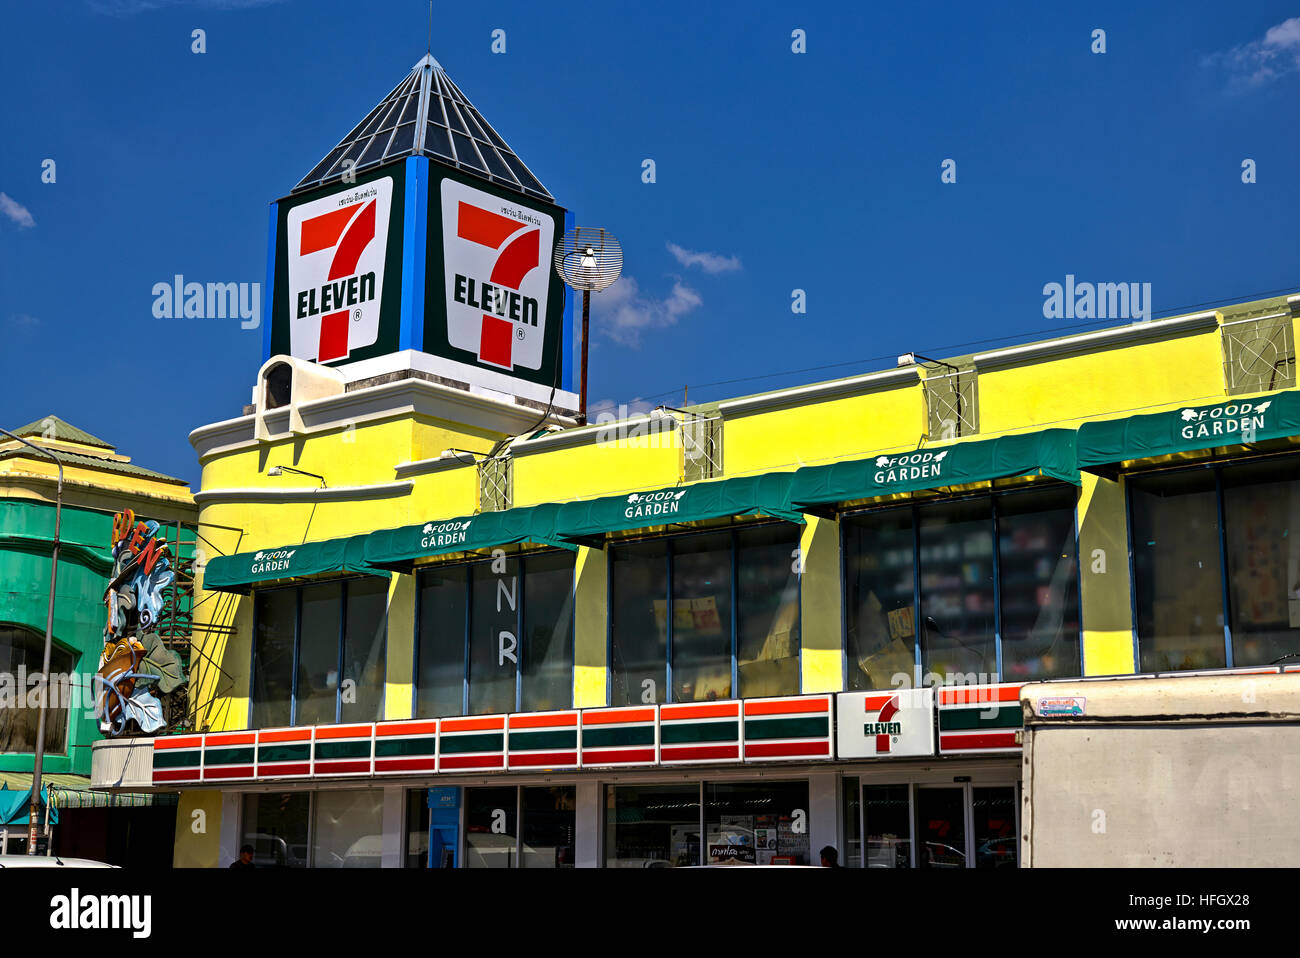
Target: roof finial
<point>429,48</point>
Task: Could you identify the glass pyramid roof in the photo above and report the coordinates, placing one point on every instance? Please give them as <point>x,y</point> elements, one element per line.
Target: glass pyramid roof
<point>427,115</point>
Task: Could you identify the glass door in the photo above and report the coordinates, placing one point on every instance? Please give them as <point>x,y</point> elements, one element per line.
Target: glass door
<point>941,826</point>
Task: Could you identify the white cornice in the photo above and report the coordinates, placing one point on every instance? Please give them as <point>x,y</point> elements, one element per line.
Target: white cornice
<point>404,397</point>
<point>421,467</point>
<point>611,432</point>
<point>1101,339</point>
<point>380,490</point>
<point>820,392</point>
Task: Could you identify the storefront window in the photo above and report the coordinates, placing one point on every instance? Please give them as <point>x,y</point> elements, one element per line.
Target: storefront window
<point>879,564</point>
<point>348,829</point>
<point>316,695</point>
<point>1039,582</point>
<point>761,822</point>
<point>491,833</point>
<point>274,615</point>
<point>709,635</point>
<point>887,811</point>
<point>1261,505</point>
<point>639,611</point>
<point>701,610</point>
<point>996,844</point>
<point>1177,575</point>
<point>1204,535</point>
<point>998,580</point>
<point>767,610</point>
<point>513,616</point>
<point>851,811</point>
<point>364,644</point>
<point>493,636</point>
<point>444,601</point>
<point>417,828</point>
<point>336,630</point>
<point>958,627</point>
<point>276,825</point>
<point>22,648</point>
<point>652,826</point>
<point>549,823</point>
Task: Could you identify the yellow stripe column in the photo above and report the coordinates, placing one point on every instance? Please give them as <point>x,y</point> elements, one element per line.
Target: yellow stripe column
<point>1105,599</point>
<point>590,635</point>
<point>822,657</point>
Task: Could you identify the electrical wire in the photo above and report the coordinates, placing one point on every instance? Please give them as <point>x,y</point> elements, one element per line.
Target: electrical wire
<point>955,347</point>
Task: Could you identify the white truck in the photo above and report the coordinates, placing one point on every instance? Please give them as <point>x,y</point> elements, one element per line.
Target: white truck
<point>1195,770</point>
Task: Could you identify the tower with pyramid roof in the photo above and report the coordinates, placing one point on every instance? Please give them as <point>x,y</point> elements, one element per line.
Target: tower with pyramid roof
<point>421,245</point>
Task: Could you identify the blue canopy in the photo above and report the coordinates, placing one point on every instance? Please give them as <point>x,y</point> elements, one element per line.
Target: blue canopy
<point>14,806</point>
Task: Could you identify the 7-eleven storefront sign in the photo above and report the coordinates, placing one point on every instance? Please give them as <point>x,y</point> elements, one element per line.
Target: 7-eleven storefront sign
<point>885,724</point>
<point>337,246</point>
<point>497,260</point>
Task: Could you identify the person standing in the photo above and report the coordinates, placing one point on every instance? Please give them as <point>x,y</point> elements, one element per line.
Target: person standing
<point>830,857</point>
<point>245,859</point>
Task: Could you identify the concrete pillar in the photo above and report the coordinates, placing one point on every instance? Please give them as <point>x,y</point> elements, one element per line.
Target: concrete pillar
<point>823,814</point>
<point>231,813</point>
<point>589,825</point>
<point>393,851</point>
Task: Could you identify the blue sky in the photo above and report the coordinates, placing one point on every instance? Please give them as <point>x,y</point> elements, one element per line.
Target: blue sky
<point>775,171</point>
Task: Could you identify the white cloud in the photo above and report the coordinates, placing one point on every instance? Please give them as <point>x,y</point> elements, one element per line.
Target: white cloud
<point>22,321</point>
<point>20,214</point>
<point>709,262</point>
<point>623,312</point>
<point>1262,61</point>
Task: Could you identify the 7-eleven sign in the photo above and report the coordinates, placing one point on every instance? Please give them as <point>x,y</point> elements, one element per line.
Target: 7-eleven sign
<point>337,246</point>
<point>497,257</point>
<point>885,724</point>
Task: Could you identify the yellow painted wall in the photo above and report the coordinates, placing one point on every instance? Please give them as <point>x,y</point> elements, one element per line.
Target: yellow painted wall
<point>400,687</point>
<point>597,469</point>
<point>198,836</point>
<point>781,440</point>
<point>1103,384</point>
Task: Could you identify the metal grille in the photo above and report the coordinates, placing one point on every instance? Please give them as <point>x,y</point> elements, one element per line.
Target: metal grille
<point>952,404</point>
<point>701,448</point>
<point>1258,354</point>
<point>495,484</point>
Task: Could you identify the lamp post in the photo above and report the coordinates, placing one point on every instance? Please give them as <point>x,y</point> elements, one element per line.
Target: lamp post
<point>33,818</point>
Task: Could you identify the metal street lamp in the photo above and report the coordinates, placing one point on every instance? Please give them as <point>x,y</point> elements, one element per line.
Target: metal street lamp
<point>281,470</point>
<point>33,820</point>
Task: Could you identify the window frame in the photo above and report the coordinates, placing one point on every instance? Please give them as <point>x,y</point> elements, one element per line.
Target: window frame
<point>74,658</point>
<point>1217,467</point>
<point>520,622</point>
<point>733,532</point>
<point>913,507</point>
<point>339,659</point>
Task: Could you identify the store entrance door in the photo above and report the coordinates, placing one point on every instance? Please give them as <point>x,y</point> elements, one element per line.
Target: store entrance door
<point>941,827</point>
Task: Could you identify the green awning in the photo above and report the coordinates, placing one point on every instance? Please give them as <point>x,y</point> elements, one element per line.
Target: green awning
<point>1190,428</point>
<point>235,573</point>
<point>1049,452</point>
<point>397,549</point>
<point>766,495</point>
